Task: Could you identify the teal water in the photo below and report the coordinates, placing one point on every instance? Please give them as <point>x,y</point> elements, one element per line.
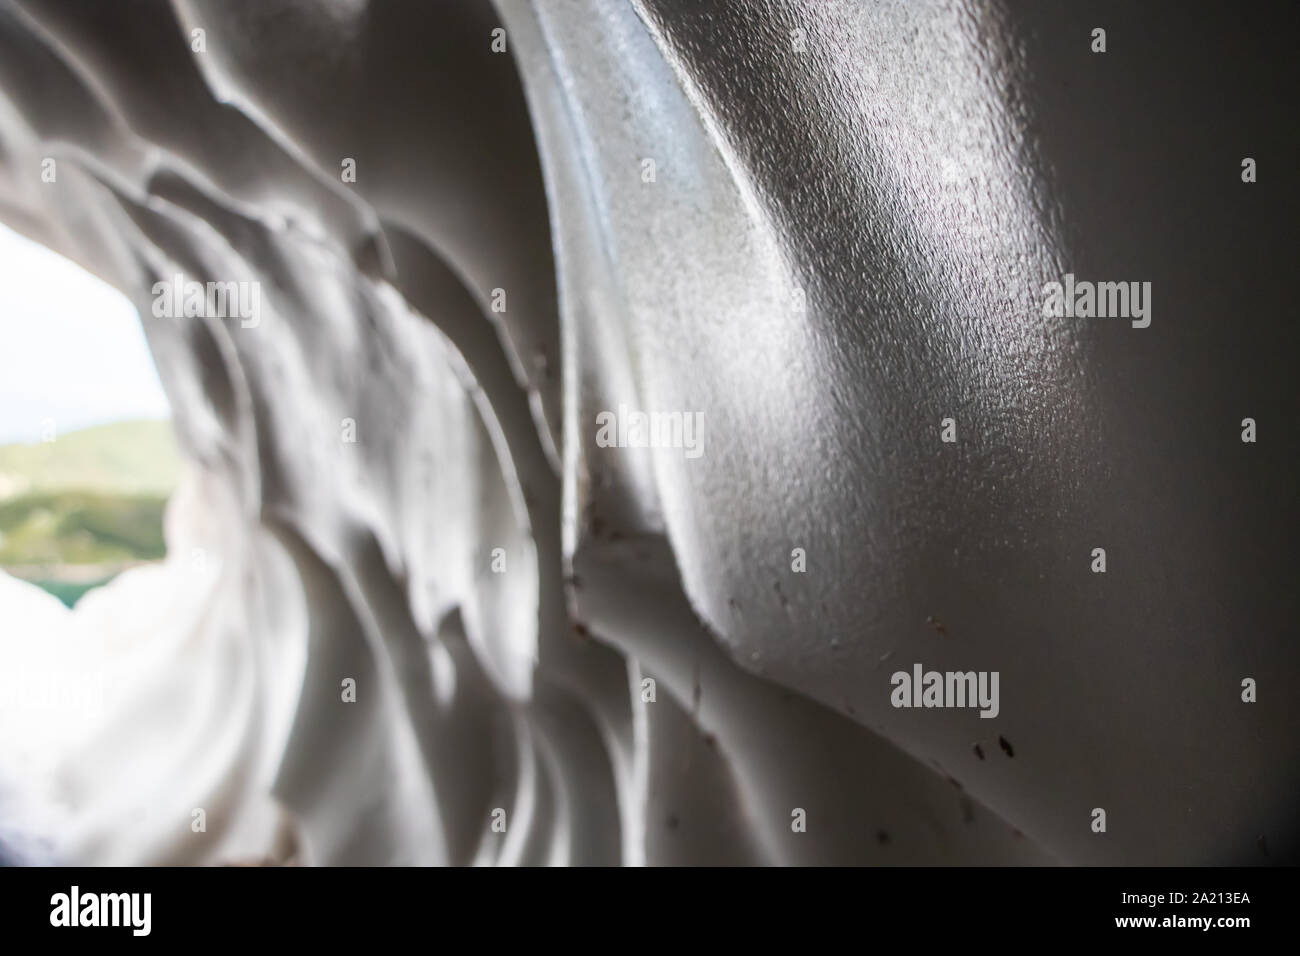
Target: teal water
<point>69,592</point>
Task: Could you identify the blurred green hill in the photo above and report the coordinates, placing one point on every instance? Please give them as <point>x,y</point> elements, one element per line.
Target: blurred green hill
<point>121,458</point>
<point>75,511</point>
<point>79,527</point>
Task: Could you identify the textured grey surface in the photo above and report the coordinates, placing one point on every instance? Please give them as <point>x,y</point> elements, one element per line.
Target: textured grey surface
<point>919,171</point>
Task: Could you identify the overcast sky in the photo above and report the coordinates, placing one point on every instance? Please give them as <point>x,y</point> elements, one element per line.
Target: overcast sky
<point>71,347</point>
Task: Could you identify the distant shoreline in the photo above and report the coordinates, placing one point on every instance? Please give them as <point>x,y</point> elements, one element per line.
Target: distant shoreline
<point>68,582</point>
<point>70,573</point>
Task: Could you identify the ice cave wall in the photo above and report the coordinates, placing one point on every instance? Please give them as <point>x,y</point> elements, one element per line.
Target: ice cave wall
<point>823,226</point>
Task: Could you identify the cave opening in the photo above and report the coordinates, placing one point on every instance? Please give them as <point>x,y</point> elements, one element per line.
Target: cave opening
<point>88,458</point>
